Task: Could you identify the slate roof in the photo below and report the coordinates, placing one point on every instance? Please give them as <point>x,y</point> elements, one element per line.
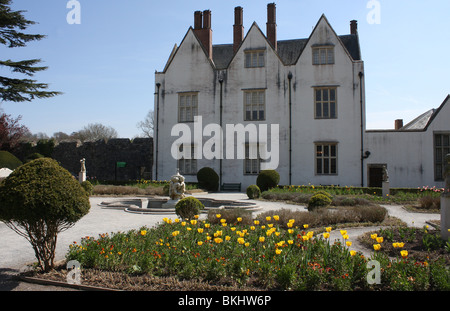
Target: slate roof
<point>420,122</point>
<point>288,50</point>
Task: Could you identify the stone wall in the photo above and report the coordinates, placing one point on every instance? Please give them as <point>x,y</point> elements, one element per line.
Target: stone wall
<point>102,157</point>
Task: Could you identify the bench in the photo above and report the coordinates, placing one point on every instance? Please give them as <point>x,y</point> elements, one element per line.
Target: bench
<point>231,187</point>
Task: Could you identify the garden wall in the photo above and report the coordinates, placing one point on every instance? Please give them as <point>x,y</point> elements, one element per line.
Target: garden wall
<point>116,159</point>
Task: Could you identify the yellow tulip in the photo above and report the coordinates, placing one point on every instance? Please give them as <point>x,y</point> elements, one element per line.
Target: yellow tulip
<point>199,243</point>
<point>218,215</point>
<point>352,253</point>
<point>252,228</point>
<point>373,236</point>
<point>175,233</point>
<point>270,225</point>
<point>143,232</point>
<point>401,244</point>
<point>290,242</point>
<point>379,239</point>
<point>348,243</point>
<point>183,223</point>
<point>328,229</point>
<point>218,240</point>
<point>278,251</point>
<point>262,239</point>
<point>233,228</point>
<point>404,254</point>
<point>268,218</point>
<point>290,231</point>
<point>256,222</point>
<point>227,238</point>
<point>200,230</point>
<point>326,235</point>
<point>193,222</point>
<point>241,241</point>
<point>377,247</point>
<point>343,232</point>
<point>196,216</point>
<point>291,221</point>
<point>276,217</point>
<point>305,238</point>
<point>207,225</point>
<point>239,219</point>
<point>345,236</point>
<point>247,244</point>
<point>305,226</point>
<point>289,224</point>
<point>223,220</point>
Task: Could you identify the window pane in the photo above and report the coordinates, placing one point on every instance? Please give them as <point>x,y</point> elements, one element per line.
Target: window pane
<point>315,56</point>
<point>326,152</point>
<point>325,110</point>
<point>332,94</point>
<point>261,115</point>
<point>319,151</point>
<point>319,95</point>
<point>330,54</point>
<point>248,60</point>
<point>318,110</point>
<point>333,150</point>
<point>319,166</point>
<point>255,115</point>
<point>333,166</point>
<point>326,166</point>
<point>438,140</point>
<point>445,141</point>
<point>261,59</point>
<point>325,95</point>
<point>332,110</point>
<point>323,55</point>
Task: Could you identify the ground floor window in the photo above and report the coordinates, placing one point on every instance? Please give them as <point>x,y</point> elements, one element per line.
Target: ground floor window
<point>252,160</point>
<point>326,158</point>
<point>441,149</point>
<point>188,166</point>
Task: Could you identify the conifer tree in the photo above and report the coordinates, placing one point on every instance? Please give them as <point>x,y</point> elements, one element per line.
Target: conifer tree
<point>12,27</point>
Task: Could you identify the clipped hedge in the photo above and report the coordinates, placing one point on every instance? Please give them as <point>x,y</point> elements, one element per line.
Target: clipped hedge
<point>208,179</point>
<point>267,179</point>
<point>8,160</point>
<point>253,192</point>
<point>188,207</point>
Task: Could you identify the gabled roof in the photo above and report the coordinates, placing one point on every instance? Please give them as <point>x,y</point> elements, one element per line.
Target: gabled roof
<point>420,122</point>
<point>288,51</point>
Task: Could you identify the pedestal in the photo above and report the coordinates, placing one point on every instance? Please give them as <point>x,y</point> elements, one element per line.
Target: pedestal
<point>81,176</point>
<point>385,189</point>
<point>445,216</point>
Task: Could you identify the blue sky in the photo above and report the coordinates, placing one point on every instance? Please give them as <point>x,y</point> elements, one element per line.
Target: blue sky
<point>105,65</point>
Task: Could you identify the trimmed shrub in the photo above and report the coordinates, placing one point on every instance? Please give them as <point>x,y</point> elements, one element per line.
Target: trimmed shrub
<point>188,207</point>
<point>208,179</point>
<point>33,156</point>
<point>8,160</point>
<point>253,192</point>
<point>87,186</point>
<point>39,200</point>
<point>318,201</point>
<point>267,179</point>
<point>324,193</point>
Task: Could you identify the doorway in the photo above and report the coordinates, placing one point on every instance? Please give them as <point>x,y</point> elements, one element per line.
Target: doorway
<point>375,175</point>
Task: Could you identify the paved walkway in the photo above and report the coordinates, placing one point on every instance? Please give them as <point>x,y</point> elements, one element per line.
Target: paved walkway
<point>16,252</point>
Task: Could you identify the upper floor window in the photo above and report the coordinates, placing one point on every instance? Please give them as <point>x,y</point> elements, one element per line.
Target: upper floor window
<point>323,55</point>
<point>325,102</point>
<point>441,149</point>
<point>187,106</point>
<point>254,58</point>
<point>254,105</point>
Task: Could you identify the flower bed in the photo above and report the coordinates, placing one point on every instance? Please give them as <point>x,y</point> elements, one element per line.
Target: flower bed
<point>267,255</point>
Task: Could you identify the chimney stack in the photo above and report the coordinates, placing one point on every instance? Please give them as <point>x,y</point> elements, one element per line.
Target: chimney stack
<point>354,27</point>
<point>202,28</point>
<point>238,28</point>
<point>398,124</point>
<point>272,25</point>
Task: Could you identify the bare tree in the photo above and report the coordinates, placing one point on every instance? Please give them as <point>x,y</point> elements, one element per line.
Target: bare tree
<point>94,132</point>
<point>147,126</point>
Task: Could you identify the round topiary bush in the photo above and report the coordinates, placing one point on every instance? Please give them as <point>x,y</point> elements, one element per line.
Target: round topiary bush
<point>267,179</point>
<point>39,200</point>
<point>8,160</point>
<point>208,179</point>
<point>253,192</point>
<point>323,192</point>
<point>87,186</point>
<point>188,207</point>
<point>318,201</point>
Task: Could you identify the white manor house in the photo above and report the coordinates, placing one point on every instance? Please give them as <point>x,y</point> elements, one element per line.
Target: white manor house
<point>312,89</point>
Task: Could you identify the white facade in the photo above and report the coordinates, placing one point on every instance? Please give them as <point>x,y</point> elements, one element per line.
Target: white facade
<point>312,88</point>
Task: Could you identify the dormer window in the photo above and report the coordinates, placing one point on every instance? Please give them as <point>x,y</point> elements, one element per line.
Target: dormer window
<point>323,55</point>
<point>254,58</point>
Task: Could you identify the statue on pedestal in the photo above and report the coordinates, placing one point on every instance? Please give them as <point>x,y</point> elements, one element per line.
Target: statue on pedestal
<point>177,187</point>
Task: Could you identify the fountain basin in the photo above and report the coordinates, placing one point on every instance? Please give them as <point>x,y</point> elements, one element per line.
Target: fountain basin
<point>154,205</point>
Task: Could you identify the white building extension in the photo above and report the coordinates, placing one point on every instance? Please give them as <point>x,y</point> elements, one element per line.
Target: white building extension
<point>297,106</point>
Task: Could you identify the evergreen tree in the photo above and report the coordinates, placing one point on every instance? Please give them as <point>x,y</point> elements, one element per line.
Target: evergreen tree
<point>12,23</point>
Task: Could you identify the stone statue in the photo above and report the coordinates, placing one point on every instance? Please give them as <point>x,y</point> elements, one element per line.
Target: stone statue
<point>83,165</point>
<point>447,173</point>
<point>176,187</point>
<point>385,174</point>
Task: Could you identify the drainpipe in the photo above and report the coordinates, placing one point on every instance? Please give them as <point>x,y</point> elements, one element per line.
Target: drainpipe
<point>221,138</point>
<point>290,129</point>
<point>157,130</point>
<point>362,127</point>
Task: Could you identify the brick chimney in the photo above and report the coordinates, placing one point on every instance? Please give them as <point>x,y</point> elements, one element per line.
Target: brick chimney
<point>272,25</point>
<point>202,28</point>
<point>398,124</point>
<point>238,28</point>
<point>354,27</point>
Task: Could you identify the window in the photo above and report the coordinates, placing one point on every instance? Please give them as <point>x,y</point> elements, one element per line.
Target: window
<point>441,149</point>
<point>254,59</point>
<point>325,100</point>
<point>187,107</point>
<point>252,160</point>
<point>323,55</point>
<point>188,166</point>
<point>326,158</point>
<point>254,105</point>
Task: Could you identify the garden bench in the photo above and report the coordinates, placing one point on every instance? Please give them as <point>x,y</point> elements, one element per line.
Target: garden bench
<point>231,187</point>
